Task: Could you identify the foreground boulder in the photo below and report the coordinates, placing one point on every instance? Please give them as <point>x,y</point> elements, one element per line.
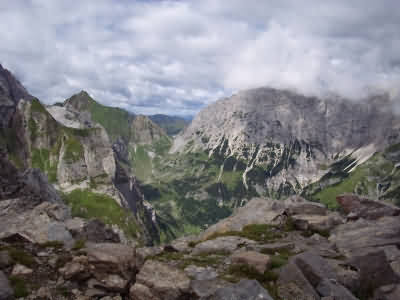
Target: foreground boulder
<point>361,207</point>
<point>6,292</point>
<point>258,261</point>
<point>44,223</point>
<point>244,290</point>
<point>226,244</point>
<point>159,281</point>
<point>257,211</point>
<point>361,236</point>
<point>110,258</point>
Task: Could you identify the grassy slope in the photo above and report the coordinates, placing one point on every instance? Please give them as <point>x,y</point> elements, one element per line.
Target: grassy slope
<point>186,192</point>
<point>171,124</point>
<point>116,121</point>
<point>377,177</point>
<point>86,204</point>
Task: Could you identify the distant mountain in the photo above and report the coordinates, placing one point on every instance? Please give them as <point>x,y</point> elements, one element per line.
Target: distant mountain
<point>275,143</point>
<point>171,124</point>
<point>90,152</point>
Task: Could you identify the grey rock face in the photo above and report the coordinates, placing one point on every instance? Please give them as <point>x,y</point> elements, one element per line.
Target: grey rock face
<point>244,290</point>
<point>6,292</point>
<point>226,244</point>
<point>289,135</point>
<point>158,281</point>
<point>11,91</point>
<point>360,207</point>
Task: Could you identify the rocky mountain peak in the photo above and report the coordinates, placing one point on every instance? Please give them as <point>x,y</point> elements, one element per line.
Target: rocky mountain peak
<point>79,101</point>
<point>288,135</point>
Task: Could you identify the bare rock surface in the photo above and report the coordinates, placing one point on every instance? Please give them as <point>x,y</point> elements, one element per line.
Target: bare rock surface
<point>366,208</point>
<point>222,244</point>
<point>159,281</point>
<point>258,261</point>
<point>244,290</point>
<point>6,292</point>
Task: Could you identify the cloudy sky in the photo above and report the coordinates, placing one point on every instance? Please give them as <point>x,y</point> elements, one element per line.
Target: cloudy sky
<point>175,57</point>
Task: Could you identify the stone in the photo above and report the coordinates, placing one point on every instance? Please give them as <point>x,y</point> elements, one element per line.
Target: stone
<point>311,273</point>
<point>243,290</point>
<point>256,211</point>
<point>363,235</point>
<point>139,291</point>
<point>374,270</point>
<point>319,223</point>
<point>258,261</point>
<point>330,288</point>
<point>366,208</point>
<point>225,244</point>
<point>6,292</point>
<point>314,267</point>
<point>5,259</point>
<point>388,292</point>
<point>111,258</point>
<point>113,282</point>
<point>296,205</point>
<point>347,275</point>
<point>93,231</point>
<point>43,223</point>
<point>159,281</point>
<point>21,270</point>
<point>201,273</point>
<point>273,247</point>
<point>143,253</point>
<point>205,288</point>
<point>292,284</point>
<point>44,293</point>
<point>182,244</point>
<point>75,270</point>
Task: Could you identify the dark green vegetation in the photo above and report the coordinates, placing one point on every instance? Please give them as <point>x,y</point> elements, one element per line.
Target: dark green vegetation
<point>19,286</point>
<point>79,244</point>
<point>190,191</point>
<point>171,124</point>
<point>183,260</point>
<point>21,256</point>
<point>86,204</point>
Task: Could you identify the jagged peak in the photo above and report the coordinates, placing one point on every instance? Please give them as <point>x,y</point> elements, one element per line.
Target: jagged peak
<point>80,100</point>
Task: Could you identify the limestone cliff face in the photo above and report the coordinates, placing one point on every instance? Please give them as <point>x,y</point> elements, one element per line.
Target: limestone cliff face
<point>11,91</point>
<point>288,140</point>
<point>68,155</point>
<point>145,131</point>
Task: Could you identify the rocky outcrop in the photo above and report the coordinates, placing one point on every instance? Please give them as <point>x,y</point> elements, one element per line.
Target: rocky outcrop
<point>310,215</point>
<point>11,92</point>
<point>244,290</point>
<point>145,131</point>
<point>6,292</point>
<point>158,281</point>
<point>360,207</point>
<point>272,260</point>
<point>258,261</point>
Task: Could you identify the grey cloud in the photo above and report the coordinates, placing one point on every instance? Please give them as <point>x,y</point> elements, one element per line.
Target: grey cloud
<point>178,56</point>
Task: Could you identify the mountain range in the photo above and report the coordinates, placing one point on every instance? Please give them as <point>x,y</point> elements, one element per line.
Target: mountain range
<point>267,194</point>
<point>170,178</point>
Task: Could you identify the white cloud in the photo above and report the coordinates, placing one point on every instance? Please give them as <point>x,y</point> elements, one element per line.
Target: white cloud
<point>177,56</point>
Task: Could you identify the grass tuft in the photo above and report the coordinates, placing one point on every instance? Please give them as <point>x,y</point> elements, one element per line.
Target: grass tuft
<point>86,204</point>
<point>19,286</point>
